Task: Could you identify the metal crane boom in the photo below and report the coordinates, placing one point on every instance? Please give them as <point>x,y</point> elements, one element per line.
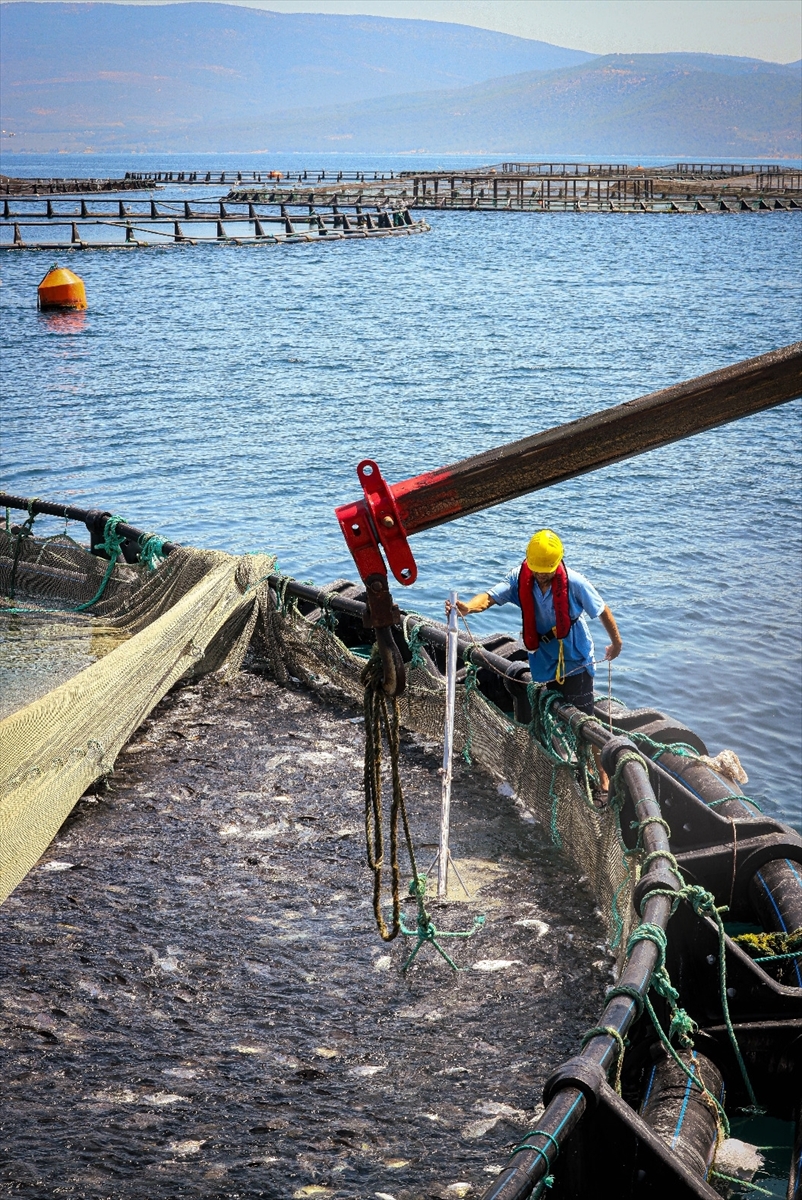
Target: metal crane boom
<point>388,514</point>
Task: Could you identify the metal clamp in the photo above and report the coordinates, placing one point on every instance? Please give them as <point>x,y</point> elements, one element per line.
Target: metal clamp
<point>374,524</point>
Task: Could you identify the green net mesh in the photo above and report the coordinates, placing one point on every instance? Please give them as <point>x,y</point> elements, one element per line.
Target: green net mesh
<point>88,681</point>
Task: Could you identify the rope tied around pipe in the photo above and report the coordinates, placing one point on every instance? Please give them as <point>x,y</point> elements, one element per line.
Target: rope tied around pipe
<point>112,545</point>
<point>471,685</point>
<point>25,530</point>
<point>617,791</point>
<point>621,1045</point>
<point>548,1179</point>
<point>151,548</point>
<point>328,618</point>
<point>561,743</point>
<point>703,904</point>
<point>415,644</point>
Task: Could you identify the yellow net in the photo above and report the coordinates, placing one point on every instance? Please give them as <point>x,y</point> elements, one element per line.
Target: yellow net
<point>193,614</point>
<point>199,611</point>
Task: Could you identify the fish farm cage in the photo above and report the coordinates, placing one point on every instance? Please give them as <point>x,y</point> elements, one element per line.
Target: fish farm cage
<point>700,892</point>
<point>134,223</point>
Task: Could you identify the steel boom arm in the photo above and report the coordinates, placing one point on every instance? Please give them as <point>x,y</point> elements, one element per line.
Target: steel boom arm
<point>600,439</point>
<point>388,514</point>
<point>573,449</point>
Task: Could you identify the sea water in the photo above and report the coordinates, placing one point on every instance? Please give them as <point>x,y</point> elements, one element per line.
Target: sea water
<point>223,396</point>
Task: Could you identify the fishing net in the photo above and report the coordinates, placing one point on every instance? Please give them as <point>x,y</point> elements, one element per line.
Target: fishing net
<point>196,612</point>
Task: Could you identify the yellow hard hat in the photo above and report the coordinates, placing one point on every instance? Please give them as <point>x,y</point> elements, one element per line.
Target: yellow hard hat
<point>544,552</point>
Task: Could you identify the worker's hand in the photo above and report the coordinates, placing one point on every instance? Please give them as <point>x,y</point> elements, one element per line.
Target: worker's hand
<point>462,608</point>
<point>613,650</point>
<point>476,604</point>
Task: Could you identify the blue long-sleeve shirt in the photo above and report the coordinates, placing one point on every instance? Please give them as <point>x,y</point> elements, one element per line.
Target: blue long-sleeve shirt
<point>578,645</point>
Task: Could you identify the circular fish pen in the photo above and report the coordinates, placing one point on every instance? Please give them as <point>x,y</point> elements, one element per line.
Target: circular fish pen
<point>235,901</point>
<point>134,222</point>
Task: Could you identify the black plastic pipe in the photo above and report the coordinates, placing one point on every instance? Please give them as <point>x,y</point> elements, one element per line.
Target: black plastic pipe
<point>566,1102</point>
<point>432,634</point>
<point>93,519</point>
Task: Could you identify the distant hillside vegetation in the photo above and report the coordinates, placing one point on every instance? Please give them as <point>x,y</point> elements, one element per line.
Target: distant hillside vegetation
<point>676,105</point>
<point>118,75</point>
<point>216,77</point>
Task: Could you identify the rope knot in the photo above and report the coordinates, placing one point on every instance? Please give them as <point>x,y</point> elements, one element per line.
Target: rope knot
<point>683,1026</point>
<point>151,548</point>
<point>700,900</point>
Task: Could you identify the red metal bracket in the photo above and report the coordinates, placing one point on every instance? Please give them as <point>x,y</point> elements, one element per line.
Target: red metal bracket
<point>373,524</point>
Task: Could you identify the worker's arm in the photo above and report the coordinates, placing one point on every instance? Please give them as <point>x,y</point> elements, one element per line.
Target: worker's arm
<point>608,621</point>
<point>480,602</point>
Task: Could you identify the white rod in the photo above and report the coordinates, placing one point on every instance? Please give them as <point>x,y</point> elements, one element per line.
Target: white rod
<point>452,650</point>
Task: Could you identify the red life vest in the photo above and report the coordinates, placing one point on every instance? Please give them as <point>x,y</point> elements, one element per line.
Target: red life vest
<point>559,595</point>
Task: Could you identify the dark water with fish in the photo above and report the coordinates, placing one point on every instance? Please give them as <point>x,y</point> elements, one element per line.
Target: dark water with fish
<point>224,396</point>
<point>194,1001</point>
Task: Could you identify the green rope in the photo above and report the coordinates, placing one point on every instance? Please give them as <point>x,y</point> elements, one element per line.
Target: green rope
<point>327,618</point>
<point>641,825</point>
<point>681,1024</point>
<point>609,1031</point>
<point>669,858</point>
<point>630,991</point>
<point>618,793</point>
<point>561,743</point>
<point>151,547</point>
<point>24,531</point>
<point>660,979</point>
<point>471,685</point>
<point>772,947</point>
<point>745,1183</point>
<point>682,750</point>
<point>703,903</point>
<point>112,545</point>
<point>548,1180</point>
<point>414,641</point>
<point>284,607</point>
<point>588,775</point>
<point>545,729</point>
<point>734,796</point>
<point>425,929</point>
<point>694,1078</point>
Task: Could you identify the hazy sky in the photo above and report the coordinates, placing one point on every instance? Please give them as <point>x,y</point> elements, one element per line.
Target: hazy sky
<point>770,29</point>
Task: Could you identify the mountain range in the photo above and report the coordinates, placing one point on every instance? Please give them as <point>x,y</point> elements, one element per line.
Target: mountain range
<point>219,77</point>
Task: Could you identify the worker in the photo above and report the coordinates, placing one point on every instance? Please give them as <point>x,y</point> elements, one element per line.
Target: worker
<point>554,600</point>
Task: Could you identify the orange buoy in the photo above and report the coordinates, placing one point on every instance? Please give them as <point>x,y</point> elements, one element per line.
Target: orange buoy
<point>60,288</point>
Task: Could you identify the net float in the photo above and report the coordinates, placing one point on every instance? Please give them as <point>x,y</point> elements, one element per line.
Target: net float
<point>61,289</point>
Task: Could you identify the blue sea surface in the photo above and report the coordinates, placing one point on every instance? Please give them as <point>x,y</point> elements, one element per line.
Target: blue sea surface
<point>224,396</point>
